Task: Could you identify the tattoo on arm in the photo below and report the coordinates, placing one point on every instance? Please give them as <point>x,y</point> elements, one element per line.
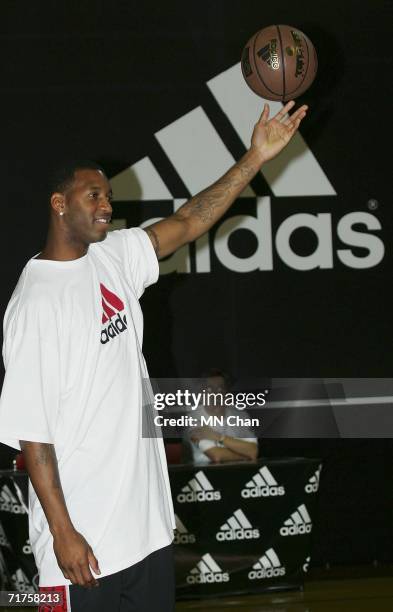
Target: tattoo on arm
<point>204,204</point>
<point>154,238</point>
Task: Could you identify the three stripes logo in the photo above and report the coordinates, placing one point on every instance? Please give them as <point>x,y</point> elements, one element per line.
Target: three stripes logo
<point>10,503</point>
<point>21,582</point>
<point>183,536</point>
<point>263,484</point>
<point>268,566</point>
<point>237,527</point>
<point>299,523</point>
<point>198,489</point>
<point>207,571</point>
<point>313,484</point>
<point>112,306</point>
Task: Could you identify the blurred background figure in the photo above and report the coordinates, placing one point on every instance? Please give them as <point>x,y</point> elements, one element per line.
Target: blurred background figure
<point>222,442</point>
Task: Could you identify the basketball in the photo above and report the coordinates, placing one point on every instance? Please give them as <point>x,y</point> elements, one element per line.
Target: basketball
<point>279,63</point>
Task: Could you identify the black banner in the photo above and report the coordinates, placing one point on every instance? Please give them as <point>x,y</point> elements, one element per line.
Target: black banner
<point>241,527</point>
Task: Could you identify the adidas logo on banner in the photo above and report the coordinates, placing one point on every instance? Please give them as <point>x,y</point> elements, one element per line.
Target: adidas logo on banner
<point>263,484</point>
<point>10,503</point>
<point>111,306</point>
<point>198,489</point>
<point>306,565</point>
<point>237,527</point>
<point>183,536</point>
<point>298,523</point>
<point>207,571</point>
<point>3,538</point>
<point>313,484</point>
<point>27,548</point>
<point>21,582</point>
<point>296,173</point>
<point>268,566</point>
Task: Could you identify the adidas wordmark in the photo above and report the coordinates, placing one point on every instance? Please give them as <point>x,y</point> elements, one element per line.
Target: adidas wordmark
<point>237,527</point>
<point>263,484</point>
<point>198,489</point>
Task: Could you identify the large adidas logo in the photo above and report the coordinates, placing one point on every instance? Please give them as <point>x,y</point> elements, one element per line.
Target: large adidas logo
<point>21,582</point>
<point>268,566</point>
<point>263,484</point>
<point>10,503</point>
<point>313,484</point>
<point>182,535</point>
<point>112,306</point>
<point>298,523</point>
<point>237,527</point>
<point>207,571</point>
<point>198,489</point>
<point>296,172</point>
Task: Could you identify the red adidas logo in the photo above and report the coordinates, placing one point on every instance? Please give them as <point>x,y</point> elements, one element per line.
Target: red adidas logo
<point>112,306</point>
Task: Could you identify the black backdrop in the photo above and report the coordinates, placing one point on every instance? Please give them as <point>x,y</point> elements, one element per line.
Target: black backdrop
<point>98,79</point>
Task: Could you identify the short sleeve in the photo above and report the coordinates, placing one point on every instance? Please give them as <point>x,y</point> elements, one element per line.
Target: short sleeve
<point>29,399</point>
<point>133,246</point>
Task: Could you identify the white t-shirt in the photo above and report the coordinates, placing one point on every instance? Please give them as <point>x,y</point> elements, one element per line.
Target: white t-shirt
<point>72,352</point>
<point>198,448</point>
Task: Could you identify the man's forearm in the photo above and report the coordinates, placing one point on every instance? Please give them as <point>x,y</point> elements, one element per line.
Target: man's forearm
<point>41,465</point>
<point>248,450</point>
<point>203,210</point>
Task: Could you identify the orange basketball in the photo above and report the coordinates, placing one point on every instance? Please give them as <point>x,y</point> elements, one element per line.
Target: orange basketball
<point>279,63</point>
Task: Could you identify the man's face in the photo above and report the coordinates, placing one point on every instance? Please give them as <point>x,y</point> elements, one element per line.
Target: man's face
<point>88,207</point>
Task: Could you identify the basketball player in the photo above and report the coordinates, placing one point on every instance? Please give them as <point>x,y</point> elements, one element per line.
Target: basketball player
<point>101,516</point>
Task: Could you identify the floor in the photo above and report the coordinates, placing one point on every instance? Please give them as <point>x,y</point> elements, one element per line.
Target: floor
<point>361,594</point>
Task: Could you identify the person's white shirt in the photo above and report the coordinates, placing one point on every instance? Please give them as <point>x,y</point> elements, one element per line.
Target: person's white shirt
<point>242,432</point>
<point>74,369</point>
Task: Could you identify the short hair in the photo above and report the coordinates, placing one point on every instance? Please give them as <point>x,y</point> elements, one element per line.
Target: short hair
<point>62,177</point>
<point>217,372</point>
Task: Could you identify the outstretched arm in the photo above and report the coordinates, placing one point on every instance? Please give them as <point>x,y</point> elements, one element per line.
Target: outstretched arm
<point>202,211</point>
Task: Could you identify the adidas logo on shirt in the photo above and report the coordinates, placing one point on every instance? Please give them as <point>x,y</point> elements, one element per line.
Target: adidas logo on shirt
<point>268,566</point>
<point>198,489</point>
<point>313,484</point>
<point>21,582</point>
<point>263,484</point>
<point>237,527</point>
<point>207,571</point>
<point>112,306</point>
<point>10,503</point>
<point>183,536</point>
<point>298,523</point>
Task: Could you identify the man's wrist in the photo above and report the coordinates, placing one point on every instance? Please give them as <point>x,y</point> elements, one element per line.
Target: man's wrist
<point>256,156</point>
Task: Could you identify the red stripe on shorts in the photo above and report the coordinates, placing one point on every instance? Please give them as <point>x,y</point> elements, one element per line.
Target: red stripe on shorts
<point>48,607</point>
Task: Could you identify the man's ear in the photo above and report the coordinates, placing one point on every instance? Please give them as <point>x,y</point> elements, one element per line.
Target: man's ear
<point>57,202</point>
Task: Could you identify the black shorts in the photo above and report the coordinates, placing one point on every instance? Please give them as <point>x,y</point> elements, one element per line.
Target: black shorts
<point>147,586</point>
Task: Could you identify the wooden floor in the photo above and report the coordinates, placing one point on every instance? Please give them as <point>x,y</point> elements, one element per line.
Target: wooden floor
<point>362,594</point>
<point>356,595</point>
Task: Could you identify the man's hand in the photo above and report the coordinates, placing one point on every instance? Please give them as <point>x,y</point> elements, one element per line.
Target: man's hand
<point>204,433</point>
<point>270,136</point>
<point>202,211</point>
<point>75,558</point>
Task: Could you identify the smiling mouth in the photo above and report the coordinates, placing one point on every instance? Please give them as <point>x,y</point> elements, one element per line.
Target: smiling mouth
<point>103,220</point>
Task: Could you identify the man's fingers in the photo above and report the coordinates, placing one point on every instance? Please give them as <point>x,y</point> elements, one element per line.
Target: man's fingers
<point>265,113</point>
<point>298,114</point>
<point>87,576</point>
<point>93,562</point>
<point>285,110</point>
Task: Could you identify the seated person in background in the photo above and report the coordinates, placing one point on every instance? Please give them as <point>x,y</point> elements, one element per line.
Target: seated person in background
<point>222,442</point>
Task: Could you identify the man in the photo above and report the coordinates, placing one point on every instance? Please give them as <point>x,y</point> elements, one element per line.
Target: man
<point>100,504</point>
<point>224,441</point>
